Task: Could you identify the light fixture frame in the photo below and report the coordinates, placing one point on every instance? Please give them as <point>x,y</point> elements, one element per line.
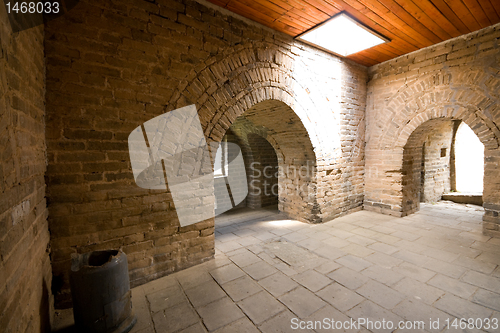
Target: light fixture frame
<point>346,15</point>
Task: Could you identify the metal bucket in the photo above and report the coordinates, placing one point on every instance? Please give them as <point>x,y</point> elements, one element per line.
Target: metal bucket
<point>100,288</point>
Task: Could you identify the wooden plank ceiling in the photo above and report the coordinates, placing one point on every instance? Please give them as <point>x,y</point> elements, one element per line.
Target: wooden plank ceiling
<point>409,24</point>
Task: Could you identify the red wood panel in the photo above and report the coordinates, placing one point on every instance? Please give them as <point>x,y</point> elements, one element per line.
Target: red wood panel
<point>463,14</point>
<point>478,12</point>
<point>409,24</point>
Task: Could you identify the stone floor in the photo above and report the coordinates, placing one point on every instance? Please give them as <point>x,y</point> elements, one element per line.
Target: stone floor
<point>271,274</point>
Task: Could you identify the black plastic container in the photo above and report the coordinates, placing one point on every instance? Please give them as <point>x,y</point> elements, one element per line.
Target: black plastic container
<point>100,288</point>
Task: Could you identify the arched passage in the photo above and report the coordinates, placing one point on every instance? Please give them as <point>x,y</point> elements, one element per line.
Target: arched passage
<point>279,159</point>
<point>468,96</point>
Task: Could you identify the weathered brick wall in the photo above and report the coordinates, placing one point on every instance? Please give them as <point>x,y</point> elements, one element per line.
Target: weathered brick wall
<point>437,161</point>
<point>457,79</point>
<point>426,172</point>
<point>113,65</point>
<point>25,271</point>
<point>260,159</point>
<point>265,171</point>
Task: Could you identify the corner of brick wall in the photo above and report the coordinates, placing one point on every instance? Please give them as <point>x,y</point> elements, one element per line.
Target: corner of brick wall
<point>26,303</point>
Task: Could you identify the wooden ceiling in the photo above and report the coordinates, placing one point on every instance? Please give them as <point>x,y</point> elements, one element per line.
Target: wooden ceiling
<point>409,24</point>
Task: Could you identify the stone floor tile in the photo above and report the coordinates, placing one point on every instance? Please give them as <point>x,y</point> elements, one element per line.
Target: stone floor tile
<point>383,229</point>
<point>264,235</point>
<point>482,280</point>
<point>282,323</point>
<point>414,271</point>
<point>329,252</point>
<point>327,267</point>
<point>411,257</point>
<point>192,277</point>
<point>325,315</point>
<point>490,257</point>
<point>418,290</point>
<point>226,273</point>
<point>477,265</point>
<point>453,286</point>
<point>166,298</point>
<point>445,268</point>
<point>248,240</point>
<point>418,312</point>
<point>260,307</point>
<point>380,294</point>
<point>360,240</point>
<point>383,260</point>
<point>228,246</point>
<point>245,259</point>
<point>355,263</point>
<point>302,302</point>
<point>205,293</point>
<point>374,312</point>
<point>335,242</point>
<point>488,299</point>
<point>388,239</point>
<point>259,270</point>
<point>141,310</point>
<point>241,288</point>
<point>365,232</point>
<point>357,250</point>
<point>382,275</point>
<point>295,236</point>
<point>278,284</point>
<point>219,313</point>
<point>243,325</point>
<point>159,284</point>
<point>442,255</point>
<point>227,237</point>
<point>310,244</point>
<point>461,308</point>
<point>312,280</point>
<point>175,318</point>
<point>348,278</point>
<point>340,297</point>
<point>143,330</point>
<point>382,247</point>
<point>196,328</point>
<point>340,233</point>
<point>405,235</point>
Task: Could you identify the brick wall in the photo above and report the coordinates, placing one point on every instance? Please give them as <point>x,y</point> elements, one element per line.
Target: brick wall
<point>25,271</point>
<point>457,79</point>
<point>113,65</point>
<point>426,166</point>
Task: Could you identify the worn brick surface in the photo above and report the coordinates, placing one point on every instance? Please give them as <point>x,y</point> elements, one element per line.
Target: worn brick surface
<point>25,272</point>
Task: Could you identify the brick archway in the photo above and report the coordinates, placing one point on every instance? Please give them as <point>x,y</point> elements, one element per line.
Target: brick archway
<point>471,96</point>
<point>245,78</point>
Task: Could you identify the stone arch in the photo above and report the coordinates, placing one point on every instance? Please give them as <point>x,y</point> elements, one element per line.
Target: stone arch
<point>471,96</point>
<point>228,85</point>
<point>473,99</point>
<point>277,124</point>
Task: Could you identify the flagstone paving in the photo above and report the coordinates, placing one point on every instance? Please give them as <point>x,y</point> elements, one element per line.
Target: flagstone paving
<point>269,273</point>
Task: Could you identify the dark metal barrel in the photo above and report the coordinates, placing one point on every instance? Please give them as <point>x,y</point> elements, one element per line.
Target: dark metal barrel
<point>100,288</point>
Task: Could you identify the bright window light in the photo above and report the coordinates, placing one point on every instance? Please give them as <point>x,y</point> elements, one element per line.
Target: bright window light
<point>343,36</point>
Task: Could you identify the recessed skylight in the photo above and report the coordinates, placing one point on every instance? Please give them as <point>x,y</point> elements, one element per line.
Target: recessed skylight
<point>342,35</point>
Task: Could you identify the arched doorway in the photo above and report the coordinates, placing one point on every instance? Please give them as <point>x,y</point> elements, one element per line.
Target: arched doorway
<point>430,163</point>
<point>279,159</point>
